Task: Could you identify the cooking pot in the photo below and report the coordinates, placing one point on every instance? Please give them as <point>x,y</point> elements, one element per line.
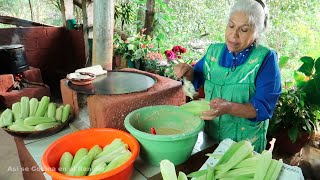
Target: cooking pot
<point>12,59</point>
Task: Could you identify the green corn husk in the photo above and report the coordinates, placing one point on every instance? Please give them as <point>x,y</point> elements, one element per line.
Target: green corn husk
<point>82,167</point>
<point>107,158</point>
<point>16,110</point>
<point>44,126</point>
<point>95,150</point>
<point>167,170</point>
<point>6,118</point>
<point>98,169</point>
<point>79,155</point>
<point>24,103</point>
<point>65,162</point>
<point>196,107</point>
<point>34,102</point>
<point>110,147</point>
<point>21,127</point>
<point>118,161</point>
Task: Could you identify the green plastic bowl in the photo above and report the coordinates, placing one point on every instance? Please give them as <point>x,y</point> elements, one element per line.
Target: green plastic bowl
<point>177,132</point>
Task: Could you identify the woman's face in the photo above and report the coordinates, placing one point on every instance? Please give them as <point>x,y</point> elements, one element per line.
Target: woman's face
<point>239,34</point>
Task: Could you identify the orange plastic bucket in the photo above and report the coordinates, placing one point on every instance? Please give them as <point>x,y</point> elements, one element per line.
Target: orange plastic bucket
<point>88,138</point>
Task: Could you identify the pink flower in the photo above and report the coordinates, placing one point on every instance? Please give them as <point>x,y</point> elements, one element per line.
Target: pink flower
<point>151,46</point>
<point>170,55</point>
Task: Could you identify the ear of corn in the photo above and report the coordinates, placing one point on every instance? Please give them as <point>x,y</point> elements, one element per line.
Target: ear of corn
<point>98,169</point>
<point>262,165</point>
<point>21,127</point>
<point>110,147</point>
<point>248,162</point>
<point>118,161</point>
<point>16,110</point>
<point>95,150</point>
<point>198,174</point>
<point>167,170</point>
<point>24,107</point>
<point>65,112</point>
<point>52,110</point>
<point>58,115</point>
<point>6,118</point>
<point>237,152</point>
<point>277,170</point>
<point>210,173</point>
<point>44,126</point>
<point>271,169</point>
<point>82,167</point>
<point>65,162</point>
<point>240,163</point>
<point>79,155</point>
<point>182,176</point>
<point>107,158</point>
<point>43,106</point>
<point>33,103</point>
<point>32,120</point>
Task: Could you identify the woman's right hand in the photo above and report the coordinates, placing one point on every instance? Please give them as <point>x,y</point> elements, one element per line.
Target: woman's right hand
<point>183,69</point>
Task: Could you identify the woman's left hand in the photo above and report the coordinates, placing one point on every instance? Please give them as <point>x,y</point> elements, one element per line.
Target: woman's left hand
<point>218,107</point>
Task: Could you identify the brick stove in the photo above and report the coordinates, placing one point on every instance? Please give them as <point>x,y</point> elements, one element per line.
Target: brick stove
<point>17,79</point>
<point>110,110</point>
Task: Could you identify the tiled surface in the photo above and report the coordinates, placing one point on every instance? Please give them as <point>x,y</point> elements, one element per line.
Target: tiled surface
<point>142,169</point>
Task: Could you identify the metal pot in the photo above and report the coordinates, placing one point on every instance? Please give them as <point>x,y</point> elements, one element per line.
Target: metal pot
<point>12,59</point>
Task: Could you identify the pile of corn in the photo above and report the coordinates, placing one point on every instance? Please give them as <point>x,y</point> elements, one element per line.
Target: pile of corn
<point>238,162</point>
<point>96,160</point>
<point>34,115</point>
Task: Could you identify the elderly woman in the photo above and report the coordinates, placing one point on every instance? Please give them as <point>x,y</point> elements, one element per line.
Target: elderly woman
<point>241,78</point>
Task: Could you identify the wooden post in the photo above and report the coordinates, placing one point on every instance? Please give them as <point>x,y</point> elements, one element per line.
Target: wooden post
<point>103,27</point>
<point>87,12</point>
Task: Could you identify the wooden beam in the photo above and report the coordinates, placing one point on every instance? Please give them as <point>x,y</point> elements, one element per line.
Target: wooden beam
<point>20,22</point>
<point>87,14</point>
<point>103,33</point>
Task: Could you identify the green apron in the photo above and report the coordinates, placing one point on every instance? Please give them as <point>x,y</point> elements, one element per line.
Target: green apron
<point>236,86</point>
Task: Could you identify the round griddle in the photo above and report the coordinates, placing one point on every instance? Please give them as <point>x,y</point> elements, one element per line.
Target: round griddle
<point>116,82</point>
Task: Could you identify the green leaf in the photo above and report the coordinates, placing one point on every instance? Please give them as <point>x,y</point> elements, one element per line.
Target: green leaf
<point>313,91</point>
<point>307,66</point>
<point>131,47</point>
<point>293,133</point>
<point>317,66</point>
<point>299,77</point>
<point>283,61</point>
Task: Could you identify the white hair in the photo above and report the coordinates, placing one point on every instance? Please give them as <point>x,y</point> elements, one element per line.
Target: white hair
<point>257,14</point>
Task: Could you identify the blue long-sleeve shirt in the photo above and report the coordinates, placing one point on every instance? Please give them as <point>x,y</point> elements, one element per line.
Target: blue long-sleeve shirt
<point>268,80</point>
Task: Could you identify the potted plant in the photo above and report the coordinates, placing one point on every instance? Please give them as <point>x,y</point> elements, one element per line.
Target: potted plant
<point>134,49</point>
<point>297,112</point>
<point>155,63</point>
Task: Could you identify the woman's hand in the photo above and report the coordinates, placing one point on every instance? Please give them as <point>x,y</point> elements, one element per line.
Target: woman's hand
<point>183,69</point>
<point>218,107</point>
